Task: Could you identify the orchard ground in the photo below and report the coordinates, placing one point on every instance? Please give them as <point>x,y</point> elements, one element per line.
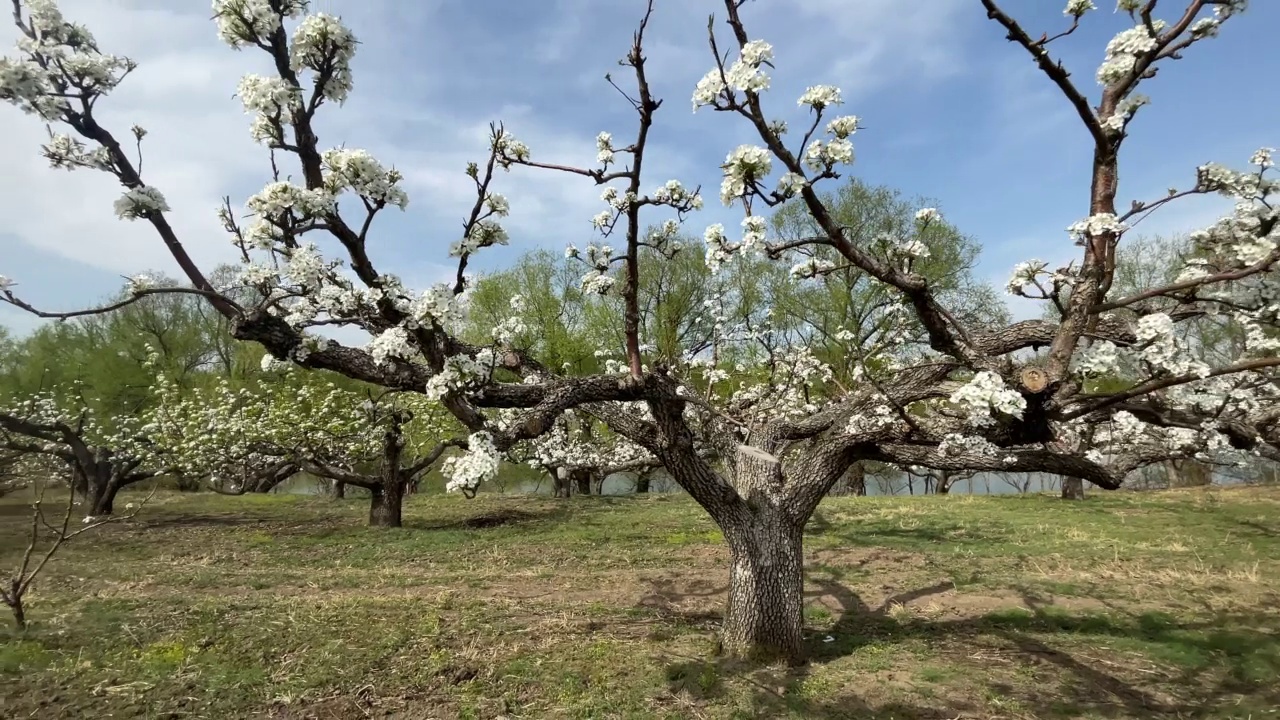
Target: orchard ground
<point>1127,605</point>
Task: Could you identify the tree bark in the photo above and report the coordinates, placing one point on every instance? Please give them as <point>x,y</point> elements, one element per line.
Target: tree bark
<point>764,619</point>
<point>19,613</point>
<point>642,483</point>
<point>1072,488</point>
<point>339,489</point>
<point>386,505</point>
<point>581,479</point>
<point>560,481</point>
<point>101,499</point>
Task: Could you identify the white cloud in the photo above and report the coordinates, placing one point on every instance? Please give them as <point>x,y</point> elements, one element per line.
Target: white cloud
<point>198,147</point>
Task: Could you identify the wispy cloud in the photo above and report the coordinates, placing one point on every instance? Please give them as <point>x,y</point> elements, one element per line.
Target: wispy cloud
<point>952,111</point>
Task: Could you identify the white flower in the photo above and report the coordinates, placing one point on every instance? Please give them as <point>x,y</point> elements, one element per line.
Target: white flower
<point>744,166</point>
<point>843,127</point>
<point>479,463</point>
<point>138,283</point>
<point>322,44</point>
<point>1100,358</point>
<point>604,148</point>
<point>1077,8</point>
<point>1024,273</point>
<point>358,171</point>
<point>1093,225</point>
<point>391,343</point>
<point>1124,50</point>
<point>820,96</point>
<point>985,393</point>
<point>140,202</point>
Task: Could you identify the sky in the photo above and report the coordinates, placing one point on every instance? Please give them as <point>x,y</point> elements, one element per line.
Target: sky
<point>951,111</point>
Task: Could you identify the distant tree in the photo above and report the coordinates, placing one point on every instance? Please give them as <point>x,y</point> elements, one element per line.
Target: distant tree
<point>251,438</point>
<point>55,433</point>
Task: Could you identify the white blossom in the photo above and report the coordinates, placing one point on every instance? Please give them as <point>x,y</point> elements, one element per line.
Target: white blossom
<point>141,202</point>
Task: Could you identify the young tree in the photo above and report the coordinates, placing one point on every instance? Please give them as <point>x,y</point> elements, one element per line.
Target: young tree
<point>760,451</point>
<point>14,590</point>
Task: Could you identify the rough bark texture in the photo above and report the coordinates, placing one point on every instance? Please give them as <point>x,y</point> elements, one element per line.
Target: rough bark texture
<point>339,489</point>
<point>581,479</point>
<point>386,505</point>
<point>642,483</point>
<point>764,618</point>
<point>1072,488</point>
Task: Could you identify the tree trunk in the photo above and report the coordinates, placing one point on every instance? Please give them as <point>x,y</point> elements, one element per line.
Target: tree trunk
<point>1072,488</point>
<point>102,497</point>
<point>581,480</point>
<point>764,619</point>
<point>386,505</point>
<point>19,613</point>
<point>560,480</point>
<point>642,483</point>
<point>339,490</point>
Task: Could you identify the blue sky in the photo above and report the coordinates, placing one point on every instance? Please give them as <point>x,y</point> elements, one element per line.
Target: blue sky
<point>951,111</point>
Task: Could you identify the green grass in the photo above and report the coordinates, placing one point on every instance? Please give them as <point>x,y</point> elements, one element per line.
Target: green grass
<point>1124,606</point>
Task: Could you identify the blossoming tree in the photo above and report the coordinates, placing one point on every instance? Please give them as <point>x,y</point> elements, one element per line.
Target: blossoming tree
<point>755,428</point>
<point>254,437</point>
<point>576,454</point>
<point>55,434</point>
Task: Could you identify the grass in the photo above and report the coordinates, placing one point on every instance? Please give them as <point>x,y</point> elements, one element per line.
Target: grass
<point>1124,606</point>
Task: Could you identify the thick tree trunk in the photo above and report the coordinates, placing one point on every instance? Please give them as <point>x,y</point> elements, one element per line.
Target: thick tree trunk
<point>582,481</point>
<point>386,505</point>
<point>642,483</point>
<point>1072,488</point>
<point>339,490</point>
<point>102,497</point>
<point>387,497</point>
<point>764,619</point>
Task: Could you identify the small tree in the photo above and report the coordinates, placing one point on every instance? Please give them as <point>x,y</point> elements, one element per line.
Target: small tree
<point>13,592</point>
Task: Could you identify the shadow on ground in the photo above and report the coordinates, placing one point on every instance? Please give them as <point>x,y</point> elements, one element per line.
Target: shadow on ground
<point>1043,661</point>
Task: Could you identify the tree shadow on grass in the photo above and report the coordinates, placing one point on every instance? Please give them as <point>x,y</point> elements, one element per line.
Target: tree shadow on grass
<point>496,518</point>
<point>1041,662</point>
<point>195,521</point>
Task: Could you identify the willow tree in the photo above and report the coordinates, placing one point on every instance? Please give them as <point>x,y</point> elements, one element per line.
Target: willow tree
<point>760,452</point>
